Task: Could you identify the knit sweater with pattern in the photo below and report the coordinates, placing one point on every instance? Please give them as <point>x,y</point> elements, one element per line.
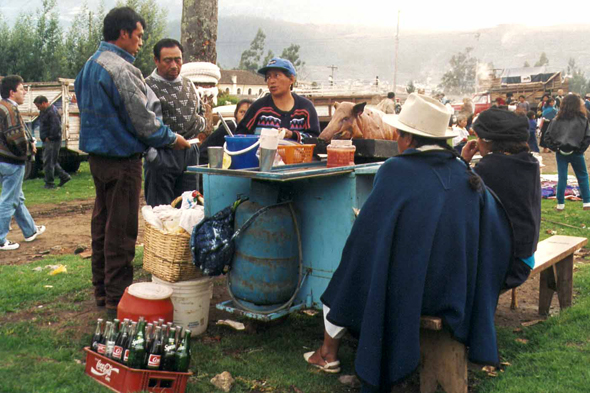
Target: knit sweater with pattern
<point>178,101</point>
<point>15,139</point>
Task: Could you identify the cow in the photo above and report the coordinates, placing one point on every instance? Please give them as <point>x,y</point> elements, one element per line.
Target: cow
<point>354,121</point>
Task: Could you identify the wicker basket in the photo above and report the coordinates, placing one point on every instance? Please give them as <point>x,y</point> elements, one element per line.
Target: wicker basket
<point>295,154</point>
<point>168,255</point>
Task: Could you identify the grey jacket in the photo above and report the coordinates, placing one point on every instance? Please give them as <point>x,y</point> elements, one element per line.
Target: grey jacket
<point>569,136</point>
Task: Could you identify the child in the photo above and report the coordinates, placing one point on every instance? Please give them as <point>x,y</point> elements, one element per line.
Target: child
<point>460,140</point>
<point>533,145</point>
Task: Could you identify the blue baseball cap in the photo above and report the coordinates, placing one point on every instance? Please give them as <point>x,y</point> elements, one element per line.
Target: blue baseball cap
<point>278,63</point>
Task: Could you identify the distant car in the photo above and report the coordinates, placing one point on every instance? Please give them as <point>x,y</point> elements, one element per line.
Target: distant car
<point>481,102</point>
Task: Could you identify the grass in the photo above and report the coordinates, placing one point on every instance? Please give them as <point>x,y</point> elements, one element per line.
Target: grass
<point>80,187</point>
<point>44,326</point>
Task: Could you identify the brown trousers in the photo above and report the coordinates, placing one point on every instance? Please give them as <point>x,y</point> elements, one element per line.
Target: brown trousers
<point>114,224</point>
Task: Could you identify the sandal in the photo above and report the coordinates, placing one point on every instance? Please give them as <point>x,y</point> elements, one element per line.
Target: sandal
<point>329,367</point>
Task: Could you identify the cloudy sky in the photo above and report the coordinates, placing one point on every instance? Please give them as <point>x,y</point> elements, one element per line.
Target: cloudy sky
<point>414,15</point>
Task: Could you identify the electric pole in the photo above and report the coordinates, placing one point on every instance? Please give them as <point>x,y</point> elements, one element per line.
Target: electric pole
<point>333,67</point>
<point>396,47</point>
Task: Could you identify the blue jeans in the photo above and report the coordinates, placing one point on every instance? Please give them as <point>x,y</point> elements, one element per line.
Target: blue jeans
<point>579,165</point>
<point>12,201</point>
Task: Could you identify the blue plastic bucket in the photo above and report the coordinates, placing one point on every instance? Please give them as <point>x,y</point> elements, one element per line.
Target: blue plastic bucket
<point>241,142</point>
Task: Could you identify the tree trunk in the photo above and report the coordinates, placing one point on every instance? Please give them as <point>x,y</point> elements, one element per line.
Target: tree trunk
<point>199,30</point>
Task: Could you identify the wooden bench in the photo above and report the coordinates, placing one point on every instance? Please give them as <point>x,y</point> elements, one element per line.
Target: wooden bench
<point>554,260</point>
<point>443,360</point>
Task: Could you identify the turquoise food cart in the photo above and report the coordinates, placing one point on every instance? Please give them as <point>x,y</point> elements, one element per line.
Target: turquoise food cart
<point>325,202</point>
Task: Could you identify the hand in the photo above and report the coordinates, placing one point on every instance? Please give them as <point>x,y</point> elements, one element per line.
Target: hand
<point>288,133</point>
<point>46,140</point>
<point>469,150</point>
<point>180,143</point>
<point>34,149</point>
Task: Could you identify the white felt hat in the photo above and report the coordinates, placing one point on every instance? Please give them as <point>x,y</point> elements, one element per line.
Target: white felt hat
<point>424,116</point>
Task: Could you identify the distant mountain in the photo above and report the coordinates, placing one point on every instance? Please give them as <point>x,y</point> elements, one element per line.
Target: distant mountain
<point>363,52</point>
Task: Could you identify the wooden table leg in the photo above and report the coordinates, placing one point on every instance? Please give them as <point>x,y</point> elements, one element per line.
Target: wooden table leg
<point>444,361</point>
<point>565,274</point>
<point>546,290</point>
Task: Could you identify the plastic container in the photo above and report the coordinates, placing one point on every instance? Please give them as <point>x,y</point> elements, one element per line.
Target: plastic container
<point>121,378</point>
<point>246,159</point>
<point>296,154</point>
<point>191,300</point>
<point>340,153</point>
<point>148,300</point>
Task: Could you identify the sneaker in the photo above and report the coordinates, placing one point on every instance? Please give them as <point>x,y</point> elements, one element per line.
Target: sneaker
<point>40,230</point>
<point>586,206</point>
<point>49,186</point>
<point>8,245</point>
<point>560,207</point>
<point>64,181</point>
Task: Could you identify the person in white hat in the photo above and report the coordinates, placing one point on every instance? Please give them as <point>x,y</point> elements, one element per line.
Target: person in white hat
<point>416,249</point>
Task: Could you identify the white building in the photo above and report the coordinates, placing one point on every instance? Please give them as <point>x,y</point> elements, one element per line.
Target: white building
<point>241,83</point>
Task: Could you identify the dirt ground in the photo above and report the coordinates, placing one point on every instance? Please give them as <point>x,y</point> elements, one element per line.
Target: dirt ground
<point>68,231</point>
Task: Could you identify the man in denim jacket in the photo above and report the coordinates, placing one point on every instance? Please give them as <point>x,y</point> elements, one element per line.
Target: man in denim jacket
<point>117,126</point>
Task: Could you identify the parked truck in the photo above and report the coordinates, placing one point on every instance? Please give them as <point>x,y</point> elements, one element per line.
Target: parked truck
<point>61,95</point>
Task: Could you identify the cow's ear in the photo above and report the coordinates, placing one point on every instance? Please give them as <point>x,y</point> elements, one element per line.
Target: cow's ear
<point>336,105</point>
<point>358,109</point>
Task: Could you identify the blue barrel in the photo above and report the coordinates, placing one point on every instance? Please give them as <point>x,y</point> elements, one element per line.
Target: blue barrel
<point>265,268</point>
<point>240,142</point>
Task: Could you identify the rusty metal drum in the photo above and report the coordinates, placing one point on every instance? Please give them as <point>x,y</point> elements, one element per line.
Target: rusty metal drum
<point>265,268</point>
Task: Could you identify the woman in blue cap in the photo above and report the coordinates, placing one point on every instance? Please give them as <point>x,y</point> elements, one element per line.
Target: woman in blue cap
<point>281,109</point>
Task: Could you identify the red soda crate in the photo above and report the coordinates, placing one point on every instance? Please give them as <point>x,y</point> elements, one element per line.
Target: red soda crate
<point>122,379</point>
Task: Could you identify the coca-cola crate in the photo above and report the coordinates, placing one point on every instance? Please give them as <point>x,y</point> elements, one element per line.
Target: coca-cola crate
<point>122,379</point>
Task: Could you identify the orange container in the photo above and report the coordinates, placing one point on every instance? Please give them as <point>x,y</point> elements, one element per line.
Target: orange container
<point>295,154</point>
<point>122,379</point>
<point>340,153</point>
<point>145,299</point>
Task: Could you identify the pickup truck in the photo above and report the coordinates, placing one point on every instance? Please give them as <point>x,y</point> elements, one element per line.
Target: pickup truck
<point>481,102</point>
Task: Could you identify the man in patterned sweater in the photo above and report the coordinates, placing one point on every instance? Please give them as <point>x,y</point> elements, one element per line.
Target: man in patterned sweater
<point>16,147</point>
<point>164,174</point>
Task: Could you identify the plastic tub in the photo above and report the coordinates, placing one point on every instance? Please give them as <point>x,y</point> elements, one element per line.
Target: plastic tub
<point>191,300</point>
<point>246,159</point>
<point>340,153</point>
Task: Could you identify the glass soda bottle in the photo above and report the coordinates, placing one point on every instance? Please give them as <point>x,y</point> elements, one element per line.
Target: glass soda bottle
<point>183,353</point>
<point>119,344</point>
<point>137,349</point>
<point>169,352</point>
<point>127,344</point>
<point>97,335</point>
<point>102,345</point>
<point>112,338</point>
<point>156,350</point>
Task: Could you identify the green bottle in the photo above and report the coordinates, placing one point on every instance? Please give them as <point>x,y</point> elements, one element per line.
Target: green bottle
<point>169,357</point>
<point>137,352</point>
<point>183,353</point>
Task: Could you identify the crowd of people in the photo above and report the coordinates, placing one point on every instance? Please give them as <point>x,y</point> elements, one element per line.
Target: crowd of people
<point>398,262</point>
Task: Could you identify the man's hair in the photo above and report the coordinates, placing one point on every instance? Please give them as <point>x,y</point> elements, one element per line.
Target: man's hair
<point>121,18</point>
<point>391,94</point>
<point>166,43</point>
<point>40,100</point>
<point>571,107</point>
<point>10,83</point>
<point>521,96</point>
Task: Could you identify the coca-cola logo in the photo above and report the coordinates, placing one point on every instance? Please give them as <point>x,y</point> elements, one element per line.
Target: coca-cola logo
<point>104,370</point>
<point>117,352</point>
<point>154,360</point>
<point>126,356</point>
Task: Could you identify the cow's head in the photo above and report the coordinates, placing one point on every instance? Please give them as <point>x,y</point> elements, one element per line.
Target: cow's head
<point>344,123</point>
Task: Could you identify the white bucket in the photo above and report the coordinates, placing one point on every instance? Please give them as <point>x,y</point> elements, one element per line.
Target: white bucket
<point>191,300</point>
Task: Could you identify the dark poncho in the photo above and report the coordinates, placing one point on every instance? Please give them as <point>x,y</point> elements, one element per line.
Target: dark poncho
<point>425,243</point>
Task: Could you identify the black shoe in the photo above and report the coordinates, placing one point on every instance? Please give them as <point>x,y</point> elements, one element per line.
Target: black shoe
<point>49,186</point>
<point>111,311</point>
<point>64,181</point>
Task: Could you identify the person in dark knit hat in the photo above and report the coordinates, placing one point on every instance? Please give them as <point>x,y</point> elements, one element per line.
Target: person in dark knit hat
<point>509,169</point>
